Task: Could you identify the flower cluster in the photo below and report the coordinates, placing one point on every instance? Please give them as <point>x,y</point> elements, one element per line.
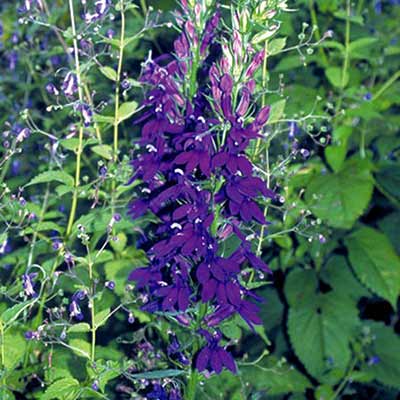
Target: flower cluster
<point>198,180</point>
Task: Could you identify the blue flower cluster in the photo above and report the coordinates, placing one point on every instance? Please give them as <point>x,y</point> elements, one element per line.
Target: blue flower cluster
<point>199,182</point>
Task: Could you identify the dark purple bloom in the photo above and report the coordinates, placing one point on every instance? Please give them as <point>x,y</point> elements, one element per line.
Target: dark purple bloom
<point>213,357</point>
<point>75,310</point>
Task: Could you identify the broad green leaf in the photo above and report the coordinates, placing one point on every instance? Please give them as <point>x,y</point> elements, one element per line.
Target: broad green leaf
<point>275,379</point>
<point>340,198</point>
<point>388,182</point>
<point>106,119</point>
<point>80,347</point>
<point>319,326</point>
<point>52,176</point>
<point>277,110</point>
<point>375,262</point>
<point>361,48</point>
<point>118,243</point>
<point>276,45</point>
<point>336,78</point>
<point>126,110</point>
<point>336,155</point>
<point>386,345</point>
<point>390,225</point>
<point>44,226</point>
<point>79,328</point>
<point>338,274</point>
<point>5,394</point>
<point>109,73</point>
<point>13,312</point>
<point>15,346</point>
<point>101,317</point>
<point>103,150</point>
<point>63,389</point>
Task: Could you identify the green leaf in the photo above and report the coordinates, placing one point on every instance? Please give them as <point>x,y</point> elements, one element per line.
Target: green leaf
<point>161,374</point>
<point>79,328</point>
<point>336,155</point>
<point>126,110</point>
<point>375,262</point>
<point>101,317</point>
<point>52,176</point>
<point>275,378</point>
<point>80,347</point>
<point>62,389</point>
<point>118,243</point>
<point>340,198</point>
<point>320,326</point>
<point>388,182</point>
<point>386,346</point>
<point>338,274</point>
<point>5,394</point>
<point>334,75</point>
<point>103,150</point>
<point>15,345</point>
<point>276,45</point>
<point>44,226</point>
<point>360,48</point>
<point>277,110</point>
<point>109,73</point>
<point>13,312</point>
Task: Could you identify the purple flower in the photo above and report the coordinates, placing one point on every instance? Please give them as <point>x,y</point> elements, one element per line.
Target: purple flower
<point>51,89</point>
<point>28,284</point>
<point>70,84</point>
<point>75,310</point>
<point>213,357</point>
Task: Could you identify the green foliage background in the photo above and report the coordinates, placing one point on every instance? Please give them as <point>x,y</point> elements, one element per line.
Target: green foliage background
<point>332,305</point>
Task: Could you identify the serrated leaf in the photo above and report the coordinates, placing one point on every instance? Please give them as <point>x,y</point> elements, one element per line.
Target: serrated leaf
<point>386,346</point>
<point>62,389</point>
<point>70,144</point>
<point>388,182</point>
<point>340,198</point>
<point>109,73</point>
<point>375,262</point>
<point>103,150</point>
<point>320,326</point>
<point>52,176</point>
<point>126,110</point>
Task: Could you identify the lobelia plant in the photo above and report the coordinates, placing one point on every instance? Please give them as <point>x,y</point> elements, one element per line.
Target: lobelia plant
<point>197,176</point>
<point>187,208</point>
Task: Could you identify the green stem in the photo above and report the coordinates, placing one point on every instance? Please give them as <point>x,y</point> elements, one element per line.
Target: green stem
<point>314,21</point>
<point>347,44</point>
<point>264,87</point>
<point>192,385</point>
<point>2,351</point>
<point>80,142</point>
<point>386,85</point>
<point>345,380</point>
<point>118,80</point>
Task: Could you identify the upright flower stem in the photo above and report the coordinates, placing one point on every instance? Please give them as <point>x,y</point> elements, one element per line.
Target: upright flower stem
<point>118,79</point>
<point>192,385</point>
<point>92,310</point>
<point>80,137</point>
<point>2,352</point>
<point>263,103</point>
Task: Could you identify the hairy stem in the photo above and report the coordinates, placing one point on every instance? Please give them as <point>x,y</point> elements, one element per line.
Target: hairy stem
<point>80,138</point>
